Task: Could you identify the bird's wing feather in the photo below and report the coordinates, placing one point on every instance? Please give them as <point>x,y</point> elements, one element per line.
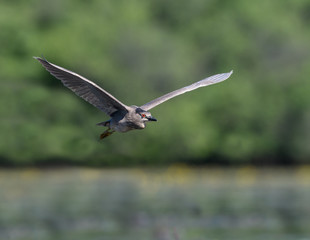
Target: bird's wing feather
<point>85,89</point>
<point>205,82</point>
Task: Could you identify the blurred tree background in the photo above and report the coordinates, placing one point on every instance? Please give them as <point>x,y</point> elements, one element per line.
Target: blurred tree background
<point>139,50</point>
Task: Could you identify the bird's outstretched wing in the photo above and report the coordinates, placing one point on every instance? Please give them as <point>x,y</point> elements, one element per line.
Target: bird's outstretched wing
<point>85,88</point>
<point>205,82</point>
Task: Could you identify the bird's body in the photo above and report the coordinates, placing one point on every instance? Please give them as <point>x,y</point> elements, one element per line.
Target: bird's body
<point>124,122</point>
<point>121,122</point>
<point>123,118</point>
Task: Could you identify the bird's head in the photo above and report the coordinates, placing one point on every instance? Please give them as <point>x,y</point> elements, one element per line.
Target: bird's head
<point>144,115</point>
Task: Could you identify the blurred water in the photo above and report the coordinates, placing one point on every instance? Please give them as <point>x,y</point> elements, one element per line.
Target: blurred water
<point>175,203</point>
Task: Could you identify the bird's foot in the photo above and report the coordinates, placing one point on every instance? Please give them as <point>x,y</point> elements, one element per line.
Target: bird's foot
<point>106,133</point>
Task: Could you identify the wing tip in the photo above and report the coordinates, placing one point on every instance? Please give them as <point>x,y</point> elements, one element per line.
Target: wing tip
<point>40,59</point>
<point>227,75</point>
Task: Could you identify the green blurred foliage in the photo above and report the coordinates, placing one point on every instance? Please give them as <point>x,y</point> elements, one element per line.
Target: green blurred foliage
<point>139,50</point>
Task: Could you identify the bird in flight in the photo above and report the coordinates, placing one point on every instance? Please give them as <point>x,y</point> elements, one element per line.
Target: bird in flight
<point>123,118</point>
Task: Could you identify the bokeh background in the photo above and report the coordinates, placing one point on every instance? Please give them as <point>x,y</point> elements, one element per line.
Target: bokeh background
<point>139,50</point>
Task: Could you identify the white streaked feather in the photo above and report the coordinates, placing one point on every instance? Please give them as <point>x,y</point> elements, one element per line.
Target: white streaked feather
<point>203,83</point>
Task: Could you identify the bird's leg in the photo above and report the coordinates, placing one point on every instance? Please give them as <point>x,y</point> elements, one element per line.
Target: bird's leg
<point>106,133</point>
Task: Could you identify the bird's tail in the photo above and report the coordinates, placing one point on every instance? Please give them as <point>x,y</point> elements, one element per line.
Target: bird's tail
<point>105,123</point>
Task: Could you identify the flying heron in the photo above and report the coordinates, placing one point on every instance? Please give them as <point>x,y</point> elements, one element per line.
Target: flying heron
<point>123,118</point>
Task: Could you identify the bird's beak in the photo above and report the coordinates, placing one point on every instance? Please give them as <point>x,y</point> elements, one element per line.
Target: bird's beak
<point>152,119</point>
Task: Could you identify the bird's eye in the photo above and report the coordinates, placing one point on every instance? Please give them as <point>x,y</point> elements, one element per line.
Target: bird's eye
<point>143,115</point>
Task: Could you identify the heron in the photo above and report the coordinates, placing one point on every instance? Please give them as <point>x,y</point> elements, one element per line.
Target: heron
<point>123,118</point>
